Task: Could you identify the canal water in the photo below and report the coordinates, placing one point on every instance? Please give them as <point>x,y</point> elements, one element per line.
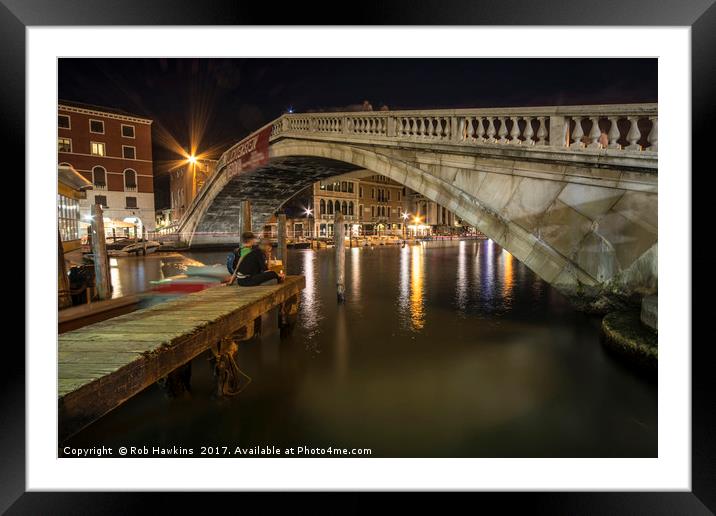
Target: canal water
<point>438,352</point>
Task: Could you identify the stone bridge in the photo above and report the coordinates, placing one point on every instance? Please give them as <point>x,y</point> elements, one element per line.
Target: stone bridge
<point>570,191</point>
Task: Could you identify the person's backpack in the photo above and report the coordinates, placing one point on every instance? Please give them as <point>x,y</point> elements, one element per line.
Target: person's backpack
<point>230,260</point>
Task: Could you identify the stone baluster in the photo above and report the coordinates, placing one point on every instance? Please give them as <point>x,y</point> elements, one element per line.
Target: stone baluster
<point>432,126</point>
<point>491,131</point>
<point>503,130</point>
<point>413,127</point>
<point>469,129</point>
<point>653,137</point>
<point>480,130</point>
<point>515,132</point>
<point>529,131</point>
<point>613,133</point>
<point>594,134</point>
<point>577,134</point>
<point>634,134</point>
<point>446,128</point>
<point>541,132</point>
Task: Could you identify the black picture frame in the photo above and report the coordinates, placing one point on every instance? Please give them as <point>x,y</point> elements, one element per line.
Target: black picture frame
<point>700,15</point>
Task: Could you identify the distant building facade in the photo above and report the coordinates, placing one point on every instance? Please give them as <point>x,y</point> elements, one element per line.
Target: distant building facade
<point>371,205</point>
<point>185,183</point>
<point>113,150</point>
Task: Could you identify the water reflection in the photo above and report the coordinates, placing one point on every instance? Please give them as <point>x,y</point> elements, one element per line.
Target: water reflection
<point>417,312</point>
<point>518,374</point>
<point>310,312</point>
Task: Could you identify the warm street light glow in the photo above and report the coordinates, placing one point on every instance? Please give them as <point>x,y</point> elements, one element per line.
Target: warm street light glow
<point>191,159</point>
<point>404,215</point>
<point>309,212</point>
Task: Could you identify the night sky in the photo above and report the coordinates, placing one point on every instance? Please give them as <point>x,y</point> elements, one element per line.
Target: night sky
<point>220,101</point>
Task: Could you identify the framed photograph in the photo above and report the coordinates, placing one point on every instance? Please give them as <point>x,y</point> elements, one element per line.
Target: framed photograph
<point>420,254</point>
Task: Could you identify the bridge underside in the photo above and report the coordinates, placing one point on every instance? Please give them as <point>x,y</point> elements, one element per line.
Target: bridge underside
<point>267,188</point>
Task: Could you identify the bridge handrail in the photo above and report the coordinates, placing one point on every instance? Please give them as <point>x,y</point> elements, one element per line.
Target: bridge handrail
<point>627,128</point>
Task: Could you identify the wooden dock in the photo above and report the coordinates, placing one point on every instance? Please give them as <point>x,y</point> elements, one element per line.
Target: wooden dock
<point>102,365</point>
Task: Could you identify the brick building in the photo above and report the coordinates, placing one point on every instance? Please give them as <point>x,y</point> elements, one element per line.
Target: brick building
<point>185,183</point>
<point>113,150</point>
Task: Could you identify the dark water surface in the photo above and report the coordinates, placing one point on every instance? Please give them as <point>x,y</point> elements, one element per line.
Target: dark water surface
<point>448,352</point>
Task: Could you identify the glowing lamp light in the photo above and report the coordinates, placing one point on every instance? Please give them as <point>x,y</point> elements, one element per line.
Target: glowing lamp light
<point>309,212</point>
<point>191,159</point>
<point>404,215</point>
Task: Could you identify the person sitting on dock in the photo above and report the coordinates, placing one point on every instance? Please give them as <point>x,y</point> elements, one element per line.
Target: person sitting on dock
<point>248,241</point>
<point>253,268</point>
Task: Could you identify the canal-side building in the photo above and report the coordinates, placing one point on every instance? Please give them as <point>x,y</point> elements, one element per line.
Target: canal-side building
<point>185,183</point>
<point>382,203</point>
<point>72,189</point>
<point>113,150</point>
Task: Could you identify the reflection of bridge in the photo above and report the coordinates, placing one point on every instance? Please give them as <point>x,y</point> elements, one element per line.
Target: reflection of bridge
<point>570,191</point>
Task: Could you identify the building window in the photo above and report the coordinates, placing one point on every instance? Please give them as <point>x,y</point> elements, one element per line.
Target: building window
<point>322,207</point>
<point>350,207</point>
<point>130,180</point>
<point>350,187</point>
<point>344,186</point>
<point>68,217</point>
<point>360,212</point>
<point>372,211</point>
<point>388,211</point>
<point>360,192</point>
<point>321,187</point>
<point>337,207</point>
<point>344,208</point>
<point>101,200</point>
<point>96,126</point>
<point>129,152</point>
<point>398,194</point>
<point>128,131</point>
<point>97,149</point>
<point>329,187</point>
<point>388,194</point>
<point>372,193</point>
<point>63,121</point>
<point>131,202</point>
<point>99,177</point>
<point>64,145</point>
<point>330,208</point>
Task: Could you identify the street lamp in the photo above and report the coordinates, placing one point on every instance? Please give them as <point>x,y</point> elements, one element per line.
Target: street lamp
<point>405,219</point>
<point>191,159</point>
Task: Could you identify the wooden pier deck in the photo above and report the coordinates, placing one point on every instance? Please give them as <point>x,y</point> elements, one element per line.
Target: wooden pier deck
<point>102,365</point>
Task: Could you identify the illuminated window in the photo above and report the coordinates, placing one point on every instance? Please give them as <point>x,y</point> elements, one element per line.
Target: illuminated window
<point>97,149</point>
<point>96,126</point>
<point>64,145</point>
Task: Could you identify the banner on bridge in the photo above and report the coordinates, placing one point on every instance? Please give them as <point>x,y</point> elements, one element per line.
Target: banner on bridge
<point>251,153</point>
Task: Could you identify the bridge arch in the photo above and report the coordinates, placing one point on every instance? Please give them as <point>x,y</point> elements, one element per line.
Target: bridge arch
<point>579,213</point>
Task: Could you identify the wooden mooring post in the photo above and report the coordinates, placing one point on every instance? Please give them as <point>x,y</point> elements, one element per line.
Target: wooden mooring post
<point>339,232</point>
<point>245,216</point>
<point>99,251</point>
<point>282,244</point>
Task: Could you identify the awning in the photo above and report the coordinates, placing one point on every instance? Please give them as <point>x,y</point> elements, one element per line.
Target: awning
<point>68,176</point>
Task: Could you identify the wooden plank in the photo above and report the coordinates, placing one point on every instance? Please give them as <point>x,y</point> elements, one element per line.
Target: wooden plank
<point>104,364</point>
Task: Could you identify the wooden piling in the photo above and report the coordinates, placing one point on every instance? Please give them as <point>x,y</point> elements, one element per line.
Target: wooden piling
<point>99,250</point>
<point>282,244</point>
<point>339,232</point>
<point>245,216</point>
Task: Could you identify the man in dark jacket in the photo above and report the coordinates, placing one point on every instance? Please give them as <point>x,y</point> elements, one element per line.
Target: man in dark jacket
<point>253,270</point>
